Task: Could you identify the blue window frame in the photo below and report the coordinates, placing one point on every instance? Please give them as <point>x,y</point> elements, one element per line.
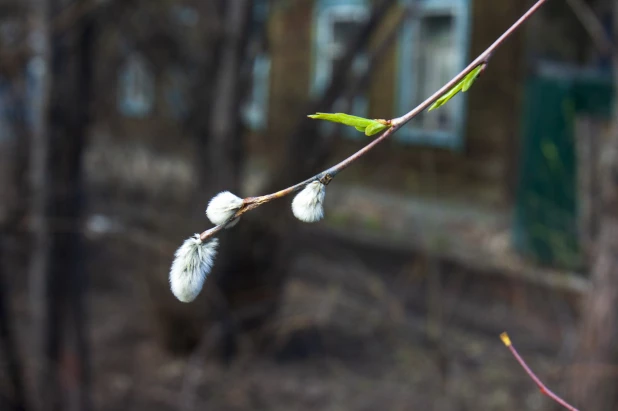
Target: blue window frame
<point>175,91</point>
<point>433,47</point>
<point>255,107</point>
<point>335,24</point>
<point>136,91</point>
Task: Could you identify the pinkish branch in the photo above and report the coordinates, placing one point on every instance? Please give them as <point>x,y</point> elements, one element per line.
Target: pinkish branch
<point>507,341</point>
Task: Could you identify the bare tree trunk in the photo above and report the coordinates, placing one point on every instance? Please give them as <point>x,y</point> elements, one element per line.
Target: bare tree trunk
<point>254,263</point>
<point>593,388</point>
<point>225,145</point>
<point>305,152</point>
<point>39,66</point>
<point>62,63</point>
<point>254,256</point>
<point>225,155</point>
<point>598,333</point>
<point>12,169</point>
<point>7,344</point>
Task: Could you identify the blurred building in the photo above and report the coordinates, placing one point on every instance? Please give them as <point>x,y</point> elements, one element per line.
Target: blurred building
<point>489,177</point>
<point>473,180</point>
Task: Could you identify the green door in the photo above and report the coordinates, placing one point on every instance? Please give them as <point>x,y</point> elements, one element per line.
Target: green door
<point>545,226</point>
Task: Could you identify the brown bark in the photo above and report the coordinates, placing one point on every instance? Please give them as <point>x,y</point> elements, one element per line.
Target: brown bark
<point>218,130</point>
<point>12,192</point>
<point>56,276</point>
<point>225,145</point>
<point>8,349</point>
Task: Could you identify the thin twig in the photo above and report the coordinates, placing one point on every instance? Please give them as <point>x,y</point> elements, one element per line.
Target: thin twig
<point>327,175</point>
<point>593,26</point>
<point>507,341</point>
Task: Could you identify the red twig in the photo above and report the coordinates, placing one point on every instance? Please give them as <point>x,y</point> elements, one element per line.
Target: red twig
<point>507,341</point>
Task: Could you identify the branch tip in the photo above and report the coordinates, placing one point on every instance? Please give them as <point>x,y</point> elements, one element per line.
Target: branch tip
<point>542,387</point>
<point>505,339</point>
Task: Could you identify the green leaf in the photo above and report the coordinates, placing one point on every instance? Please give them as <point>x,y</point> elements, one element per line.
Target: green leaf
<point>447,96</point>
<point>364,125</point>
<point>343,118</point>
<point>375,128</point>
<point>463,86</point>
<point>471,77</point>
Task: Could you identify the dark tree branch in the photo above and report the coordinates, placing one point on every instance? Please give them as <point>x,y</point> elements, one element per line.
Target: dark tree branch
<point>225,145</point>
<point>303,154</point>
<point>7,341</point>
<point>593,26</point>
<point>57,276</point>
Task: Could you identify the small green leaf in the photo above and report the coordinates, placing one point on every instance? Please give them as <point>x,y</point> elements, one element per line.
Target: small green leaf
<point>375,128</point>
<point>343,118</point>
<point>471,77</point>
<point>463,86</point>
<point>446,97</point>
<point>364,125</point>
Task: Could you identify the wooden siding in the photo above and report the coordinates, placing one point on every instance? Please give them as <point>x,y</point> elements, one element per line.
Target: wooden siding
<point>481,171</point>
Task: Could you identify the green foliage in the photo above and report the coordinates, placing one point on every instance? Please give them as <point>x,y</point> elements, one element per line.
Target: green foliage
<point>375,128</point>
<point>463,86</point>
<point>364,125</point>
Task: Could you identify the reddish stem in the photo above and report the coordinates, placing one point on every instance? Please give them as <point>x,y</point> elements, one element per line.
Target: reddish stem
<point>542,387</point>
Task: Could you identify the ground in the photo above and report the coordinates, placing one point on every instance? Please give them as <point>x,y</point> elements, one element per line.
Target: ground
<point>361,327</point>
<point>348,340</point>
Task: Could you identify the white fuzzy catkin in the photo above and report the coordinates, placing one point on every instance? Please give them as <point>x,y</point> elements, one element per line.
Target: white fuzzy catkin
<point>193,262</point>
<point>222,207</point>
<point>307,205</point>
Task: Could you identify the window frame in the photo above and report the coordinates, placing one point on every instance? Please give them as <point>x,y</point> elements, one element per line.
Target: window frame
<point>325,14</point>
<point>407,85</point>
<point>136,75</point>
<point>255,109</point>
<point>256,104</point>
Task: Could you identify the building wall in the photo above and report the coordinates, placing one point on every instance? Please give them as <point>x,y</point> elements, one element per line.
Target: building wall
<point>481,170</point>
<point>289,39</point>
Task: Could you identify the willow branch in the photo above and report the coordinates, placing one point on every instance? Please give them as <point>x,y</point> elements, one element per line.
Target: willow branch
<point>395,124</point>
<point>507,341</point>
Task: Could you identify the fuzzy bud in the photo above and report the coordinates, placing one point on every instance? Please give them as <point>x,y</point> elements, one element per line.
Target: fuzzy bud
<point>222,207</point>
<point>193,262</point>
<point>307,205</point>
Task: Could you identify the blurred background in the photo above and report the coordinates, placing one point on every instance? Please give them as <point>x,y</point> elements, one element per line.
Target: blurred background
<point>120,119</point>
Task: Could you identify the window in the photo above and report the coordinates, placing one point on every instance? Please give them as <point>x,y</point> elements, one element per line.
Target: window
<point>136,92</point>
<point>176,86</point>
<point>255,106</point>
<point>336,24</point>
<point>433,48</point>
<point>255,109</point>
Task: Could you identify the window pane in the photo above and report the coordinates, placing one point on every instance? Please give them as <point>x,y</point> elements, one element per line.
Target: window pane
<point>436,65</point>
<point>338,23</point>
<point>344,31</point>
<point>255,108</point>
